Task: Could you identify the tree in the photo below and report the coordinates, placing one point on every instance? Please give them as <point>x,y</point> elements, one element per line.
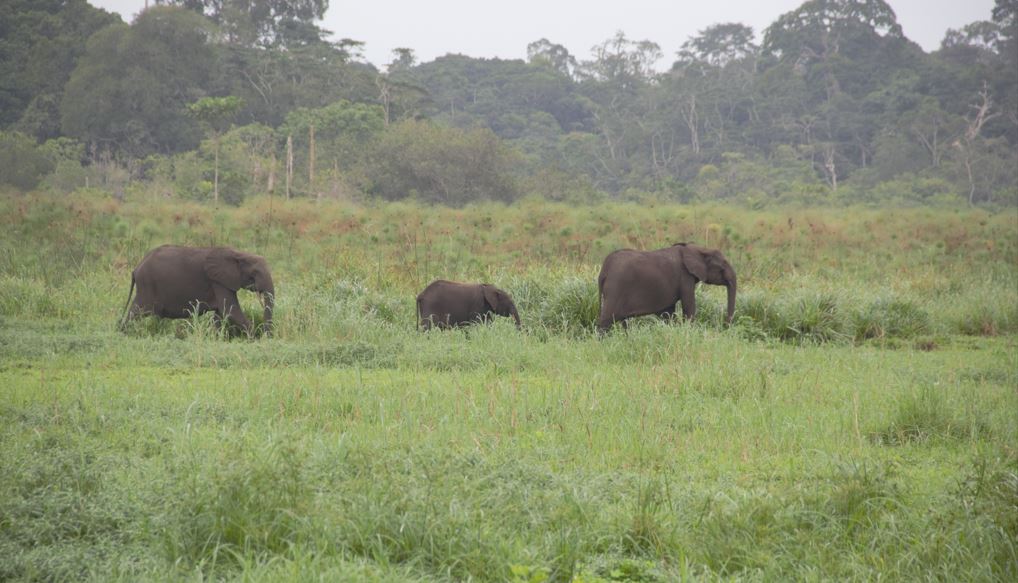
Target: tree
<point>556,56</point>
<point>932,127</point>
<point>621,62</point>
<point>400,95</point>
<point>981,113</point>
<point>342,132</point>
<point>496,93</point>
<point>713,80</point>
<point>720,44</point>
<point>274,82</point>
<point>843,51</point>
<point>975,42</point>
<point>40,43</point>
<point>130,89</point>
<point>22,163</point>
<point>403,60</point>
<point>1005,16</point>
<point>617,82</point>
<point>441,164</point>
<point>215,115</point>
<point>263,23</point>
<point>845,45</point>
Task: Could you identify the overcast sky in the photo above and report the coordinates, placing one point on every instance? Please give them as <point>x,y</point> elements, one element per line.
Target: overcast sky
<point>481,28</point>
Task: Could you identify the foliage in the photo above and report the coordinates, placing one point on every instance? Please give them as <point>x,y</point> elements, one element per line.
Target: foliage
<point>835,106</point>
<point>22,163</point>
<point>215,112</point>
<point>263,23</point>
<point>40,43</point>
<point>432,163</point>
<point>131,86</point>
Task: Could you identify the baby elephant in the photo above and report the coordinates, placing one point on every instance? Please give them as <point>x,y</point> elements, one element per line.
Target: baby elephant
<point>447,304</point>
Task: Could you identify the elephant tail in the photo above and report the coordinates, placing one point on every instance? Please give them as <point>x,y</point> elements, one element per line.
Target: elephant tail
<point>127,306</point>
<point>418,313</point>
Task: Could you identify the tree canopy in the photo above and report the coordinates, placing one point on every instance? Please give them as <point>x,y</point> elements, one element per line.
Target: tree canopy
<point>830,103</point>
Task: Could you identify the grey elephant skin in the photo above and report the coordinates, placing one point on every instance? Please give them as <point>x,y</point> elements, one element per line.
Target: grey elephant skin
<point>176,282</point>
<point>639,283</point>
<point>448,304</point>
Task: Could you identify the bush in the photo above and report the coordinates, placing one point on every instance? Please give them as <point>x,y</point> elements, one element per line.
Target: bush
<point>891,318</point>
<point>441,164</point>
<point>814,319</point>
<point>925,415</point>
<point>22,163</point>
<point>572,306</point>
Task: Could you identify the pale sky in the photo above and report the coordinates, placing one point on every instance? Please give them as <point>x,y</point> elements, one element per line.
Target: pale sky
<point>481,28</point>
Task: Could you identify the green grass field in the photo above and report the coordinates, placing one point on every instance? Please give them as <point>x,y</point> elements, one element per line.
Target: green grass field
<point>858,422</point>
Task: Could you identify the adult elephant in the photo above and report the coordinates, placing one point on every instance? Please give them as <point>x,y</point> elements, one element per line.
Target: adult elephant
<point>176,282</point>
<point>447,304</point>
<point>638,283</point>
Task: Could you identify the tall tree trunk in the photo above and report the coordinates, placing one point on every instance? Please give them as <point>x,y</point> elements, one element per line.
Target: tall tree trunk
<point>215,175</point>
<point>271,185</point>
<point>831,167</point>
<point>289,165</point>
<point>693,123</point>
<point>975,125</point>
<point>311,162</point>
<point>968,172</point>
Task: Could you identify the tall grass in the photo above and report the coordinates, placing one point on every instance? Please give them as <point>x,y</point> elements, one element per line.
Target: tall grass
<point>809,440</point>
<point>856,279</point>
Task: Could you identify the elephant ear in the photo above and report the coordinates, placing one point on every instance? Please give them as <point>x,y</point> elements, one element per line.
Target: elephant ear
<point>694,263</point>
<point>222,266</point>
<point>491,297</point>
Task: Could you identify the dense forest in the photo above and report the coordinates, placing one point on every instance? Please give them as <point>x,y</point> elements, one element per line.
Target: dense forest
<point>221,100</point>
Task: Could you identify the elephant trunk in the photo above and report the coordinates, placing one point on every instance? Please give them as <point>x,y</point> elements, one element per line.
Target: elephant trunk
<point>269,298</point>
<point>267,291</point>
<point>516,316</point>
<point>731,299</point>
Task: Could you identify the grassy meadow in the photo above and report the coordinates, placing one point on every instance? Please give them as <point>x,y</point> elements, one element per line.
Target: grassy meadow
<point>859,420</point>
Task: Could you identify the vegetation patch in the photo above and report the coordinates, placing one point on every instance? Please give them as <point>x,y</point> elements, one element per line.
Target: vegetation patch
<point>924,415</point>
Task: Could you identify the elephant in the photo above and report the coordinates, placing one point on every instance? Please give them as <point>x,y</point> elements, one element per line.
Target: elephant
<point>637,283</point>
<point>175,281</point>
<point>448,304</point>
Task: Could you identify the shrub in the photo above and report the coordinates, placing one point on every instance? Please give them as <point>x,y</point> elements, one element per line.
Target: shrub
<point>441,164</point>
<point>814,319</point>
<point>22,163</point>
<point>572,306</point>
<point>925,415</point>
<point>891,318</point>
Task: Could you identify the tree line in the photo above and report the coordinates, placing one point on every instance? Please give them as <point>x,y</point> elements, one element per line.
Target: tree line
<point>225,99</point>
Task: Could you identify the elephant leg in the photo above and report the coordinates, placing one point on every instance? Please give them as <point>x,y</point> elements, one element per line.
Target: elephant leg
<point>217,320</point>
<point>429,322</point>
<point>605,324</point>
<point>228,307</point>
<point>687,295</point>
<point>606,321</point>
<point>133,312</point>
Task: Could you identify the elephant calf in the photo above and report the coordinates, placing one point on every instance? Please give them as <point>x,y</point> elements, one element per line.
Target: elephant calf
<point>176,282</point>
<point>447,304</point>
<point>639,283</point>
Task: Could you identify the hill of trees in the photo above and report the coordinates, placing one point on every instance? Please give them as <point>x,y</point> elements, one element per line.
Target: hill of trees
<point>222,100</point>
